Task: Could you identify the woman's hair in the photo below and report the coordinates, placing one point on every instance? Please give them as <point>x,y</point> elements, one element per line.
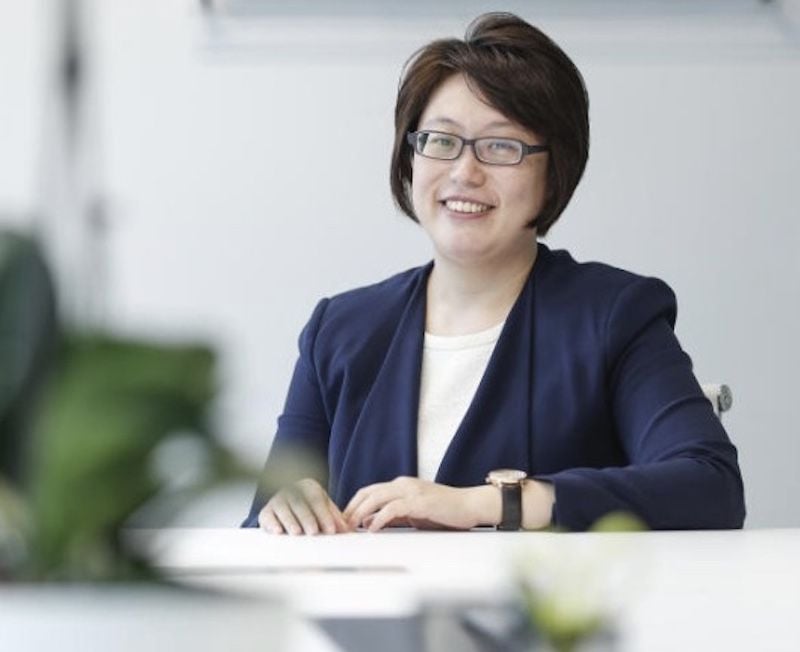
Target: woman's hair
<point>520,72</point>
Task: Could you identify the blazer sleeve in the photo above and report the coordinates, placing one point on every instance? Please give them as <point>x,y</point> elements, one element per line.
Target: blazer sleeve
<point>300,447</point>
<point>683,471</point>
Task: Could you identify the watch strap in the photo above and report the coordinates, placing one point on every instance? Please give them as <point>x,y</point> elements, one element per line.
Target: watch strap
<point>511,495</point>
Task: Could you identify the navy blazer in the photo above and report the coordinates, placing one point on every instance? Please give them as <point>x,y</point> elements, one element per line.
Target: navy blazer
<point>587,388</point>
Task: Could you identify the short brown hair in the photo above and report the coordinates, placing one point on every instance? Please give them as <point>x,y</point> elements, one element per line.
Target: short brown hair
<point>523,74</point>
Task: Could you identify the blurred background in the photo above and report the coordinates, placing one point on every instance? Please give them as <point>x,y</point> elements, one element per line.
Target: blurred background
<point>209,170</point>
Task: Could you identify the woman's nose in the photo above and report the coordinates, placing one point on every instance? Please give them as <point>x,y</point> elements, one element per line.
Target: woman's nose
<point>466,169</point>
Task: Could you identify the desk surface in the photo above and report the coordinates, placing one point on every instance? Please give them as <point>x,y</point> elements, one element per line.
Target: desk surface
<point>736,590</point>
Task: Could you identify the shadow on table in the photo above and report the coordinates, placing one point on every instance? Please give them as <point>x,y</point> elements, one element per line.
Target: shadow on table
<point>467,628</point>
<point>439,628</point>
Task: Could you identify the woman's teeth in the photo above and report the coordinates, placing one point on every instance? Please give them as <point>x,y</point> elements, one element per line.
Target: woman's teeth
<point>465,206</point>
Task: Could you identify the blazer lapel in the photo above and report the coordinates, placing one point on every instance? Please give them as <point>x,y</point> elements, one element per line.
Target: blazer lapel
<point>496,429</point>
<point>384,441</point>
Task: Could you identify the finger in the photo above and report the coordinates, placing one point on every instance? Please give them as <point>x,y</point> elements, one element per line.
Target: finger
<point>285,516</point>
<point>324,516</point>
<point>397,509</point>
<point>341,523</point>
<point>368,505</point>
<point>326,512</point>
<point>355,501</point>
<point>268,522</point>
<point>303,513</point>
<point>335,520</point>
<point>362,495</point>
<point>372,500</point>
<point>317,501</point>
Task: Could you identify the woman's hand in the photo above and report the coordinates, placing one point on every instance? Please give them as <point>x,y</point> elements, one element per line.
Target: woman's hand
<point>302,508</point>
<point>415,502</point>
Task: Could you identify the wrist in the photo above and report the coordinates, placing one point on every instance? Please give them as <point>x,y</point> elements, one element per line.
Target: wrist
<point>485,505</point>
<point>538,500</point>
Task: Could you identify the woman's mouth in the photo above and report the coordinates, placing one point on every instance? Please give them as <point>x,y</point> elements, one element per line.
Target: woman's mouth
<point>465,207</point>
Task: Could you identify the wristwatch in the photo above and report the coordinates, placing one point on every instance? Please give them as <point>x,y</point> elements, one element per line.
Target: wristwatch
<point>510,482</point>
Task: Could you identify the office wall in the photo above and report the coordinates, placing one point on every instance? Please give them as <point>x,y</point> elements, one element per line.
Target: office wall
<point>247,181</point>
<point>21,81</point>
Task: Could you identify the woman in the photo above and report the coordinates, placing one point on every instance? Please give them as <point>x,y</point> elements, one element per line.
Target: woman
<point>560,383</point>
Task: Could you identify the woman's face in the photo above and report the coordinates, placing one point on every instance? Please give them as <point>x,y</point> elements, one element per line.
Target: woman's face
<point>473,212</point>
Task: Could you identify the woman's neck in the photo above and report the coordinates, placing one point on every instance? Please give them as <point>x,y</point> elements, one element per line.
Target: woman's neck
<point>468,299</point>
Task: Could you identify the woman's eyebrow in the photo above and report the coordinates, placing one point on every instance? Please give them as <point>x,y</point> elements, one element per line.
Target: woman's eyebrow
<point>500,123</point>
<point>443,120</point>
<point>495,124</point>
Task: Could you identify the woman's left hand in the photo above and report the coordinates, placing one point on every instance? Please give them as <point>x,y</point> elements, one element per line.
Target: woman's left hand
<point>411,501</point>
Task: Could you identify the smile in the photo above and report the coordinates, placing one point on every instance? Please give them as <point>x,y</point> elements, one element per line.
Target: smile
<point>458,206</point>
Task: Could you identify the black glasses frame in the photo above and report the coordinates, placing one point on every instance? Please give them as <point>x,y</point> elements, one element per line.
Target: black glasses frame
<point>413,139</point>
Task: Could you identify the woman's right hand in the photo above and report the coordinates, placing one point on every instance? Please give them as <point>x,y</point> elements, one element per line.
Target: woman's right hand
<point>302,508</point>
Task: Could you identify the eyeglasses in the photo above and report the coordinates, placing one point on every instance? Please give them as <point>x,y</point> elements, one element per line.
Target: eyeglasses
<point>494,151</point>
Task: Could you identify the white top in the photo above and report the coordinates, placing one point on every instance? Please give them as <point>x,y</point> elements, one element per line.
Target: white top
<point>452,368</point>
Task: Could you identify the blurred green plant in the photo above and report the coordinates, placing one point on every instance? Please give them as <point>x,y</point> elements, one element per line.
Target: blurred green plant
<point>82,420</point>
<point>107,408</point>
<point>571,592</point>
<point>28,339</point>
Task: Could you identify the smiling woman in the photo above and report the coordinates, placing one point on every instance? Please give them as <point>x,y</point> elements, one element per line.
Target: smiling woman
<point>502,383</point>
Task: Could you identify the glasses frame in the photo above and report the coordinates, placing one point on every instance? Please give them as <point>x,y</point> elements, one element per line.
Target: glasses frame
<point>413,139</point>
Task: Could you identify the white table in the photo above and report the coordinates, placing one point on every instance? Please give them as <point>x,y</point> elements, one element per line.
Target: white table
<point>732,590</point>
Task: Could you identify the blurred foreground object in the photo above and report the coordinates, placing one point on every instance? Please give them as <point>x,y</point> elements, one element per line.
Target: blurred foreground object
<point>82,417</point>
<point>27,341</point>
<point>134,619</point>
<point>575,592</point>
<point>108,406</point>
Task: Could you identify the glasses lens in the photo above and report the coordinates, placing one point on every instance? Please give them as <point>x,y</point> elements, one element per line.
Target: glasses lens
<point>500,151</point>
<point>436,145</point>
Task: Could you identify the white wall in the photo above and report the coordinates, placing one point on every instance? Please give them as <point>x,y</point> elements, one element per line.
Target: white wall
<point>21,81</point>
<point>240,196</point>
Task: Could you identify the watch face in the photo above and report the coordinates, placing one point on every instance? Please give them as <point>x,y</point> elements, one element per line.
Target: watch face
<point>506,476</point>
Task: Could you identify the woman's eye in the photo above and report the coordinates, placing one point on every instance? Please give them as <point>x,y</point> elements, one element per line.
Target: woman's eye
<point>502,145</point>
<point>442,142</point>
